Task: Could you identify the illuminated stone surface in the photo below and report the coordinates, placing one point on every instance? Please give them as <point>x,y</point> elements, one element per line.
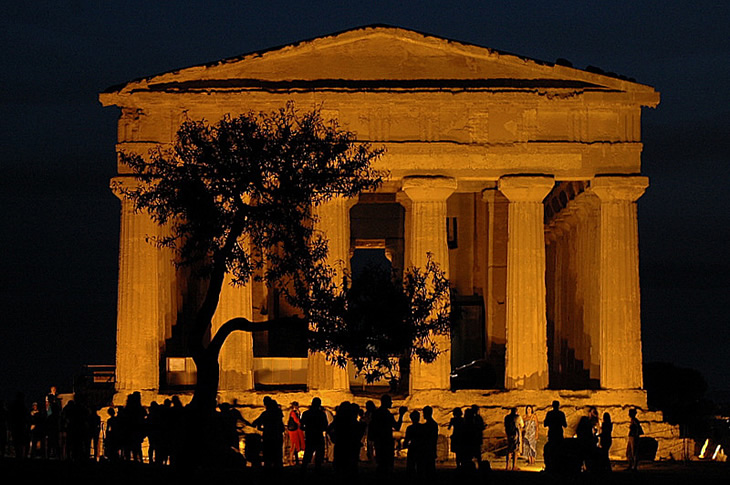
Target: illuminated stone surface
<point>334,224</point>
<point>532,164</point>
<point>137,306</point>
<point>236,357</point>
<point>620,301</point>
<point>426,233</point>
<point>526,359</point>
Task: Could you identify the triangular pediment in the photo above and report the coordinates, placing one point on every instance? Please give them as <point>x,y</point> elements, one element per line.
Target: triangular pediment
<point>379,55</point>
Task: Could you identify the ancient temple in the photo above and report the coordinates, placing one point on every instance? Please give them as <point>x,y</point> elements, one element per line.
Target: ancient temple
<point>520,176</point>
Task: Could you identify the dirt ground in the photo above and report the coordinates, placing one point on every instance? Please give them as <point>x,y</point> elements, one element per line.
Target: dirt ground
<point>47,472</point>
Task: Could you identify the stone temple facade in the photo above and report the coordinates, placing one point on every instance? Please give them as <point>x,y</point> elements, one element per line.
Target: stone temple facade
<point>521,177</point>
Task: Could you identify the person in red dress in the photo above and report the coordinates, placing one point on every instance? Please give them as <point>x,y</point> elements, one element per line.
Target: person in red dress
<point>296,434</point>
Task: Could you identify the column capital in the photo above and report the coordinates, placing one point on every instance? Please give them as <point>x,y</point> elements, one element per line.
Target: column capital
<point>619,187</point>
<point>428,188</point>
<point>526,188</point>
<point>491,195</point>
<point>124,183</point>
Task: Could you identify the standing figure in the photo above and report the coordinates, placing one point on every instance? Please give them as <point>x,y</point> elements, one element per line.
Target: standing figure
<point>529,447</point>
<point>555,422</point>
<point>383,424</point>
<point>111,438</point>
<point>456,425</point>
<point>367,418</point>
<point>53,420</point>
<point>415,442</point>
<point>37,431</point>
<point>512,430</point>
<point>632,447</point>
<point>314,424</point>
<point>478,435</point>
<point>430,441</point>
<point>605,439</point>
<point>296,435</point>
<point>271,423</point>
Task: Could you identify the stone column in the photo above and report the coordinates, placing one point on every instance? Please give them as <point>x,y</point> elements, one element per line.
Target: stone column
<point>236,357</point>
<point>138,342</point>
<point>619,300</point>
<point>526,354</point>
<point>426,233</point>
<point>334,223</point>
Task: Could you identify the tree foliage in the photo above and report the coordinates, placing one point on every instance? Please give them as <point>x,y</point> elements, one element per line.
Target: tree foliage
<point>237,198</point>
<point>381,322</point>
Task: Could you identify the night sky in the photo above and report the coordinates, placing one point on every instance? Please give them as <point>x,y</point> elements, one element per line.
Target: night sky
<point>60,222</point>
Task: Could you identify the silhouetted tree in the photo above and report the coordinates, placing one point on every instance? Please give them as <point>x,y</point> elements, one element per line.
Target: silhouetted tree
<point>237,198</point>
<point>680,394</point>
<point>385,322</point>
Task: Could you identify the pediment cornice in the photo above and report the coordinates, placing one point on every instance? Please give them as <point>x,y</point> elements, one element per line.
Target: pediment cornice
<point>375,58</point>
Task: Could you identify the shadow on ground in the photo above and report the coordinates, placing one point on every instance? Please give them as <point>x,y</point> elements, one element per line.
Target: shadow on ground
<point>55,472</point>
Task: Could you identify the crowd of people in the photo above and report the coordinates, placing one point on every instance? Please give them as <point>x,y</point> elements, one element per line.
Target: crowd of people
<point>346,437</point>
<point>48,429</point>
<point>350,435</point>
<point>589,450</point>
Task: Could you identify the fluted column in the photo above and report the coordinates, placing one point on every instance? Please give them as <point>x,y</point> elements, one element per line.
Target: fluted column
<point>619,300</point>
<point>426,233</point>
<point>138,342</point>
<point>334,223</point>
<point>236,357</point>
<point>526,354</point>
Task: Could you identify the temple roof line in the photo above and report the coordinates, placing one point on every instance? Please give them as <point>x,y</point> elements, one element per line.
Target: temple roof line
<point>378,57</point>
<point>374,84</point>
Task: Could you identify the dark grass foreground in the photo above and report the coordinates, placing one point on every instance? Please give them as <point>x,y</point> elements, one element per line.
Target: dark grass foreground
<point>55,472</point>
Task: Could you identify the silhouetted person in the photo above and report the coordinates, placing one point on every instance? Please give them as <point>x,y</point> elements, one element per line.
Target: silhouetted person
<point>360,428</point>
<point>632,446</point>
<point>111,439</point>
<point>477,434</point>
<point>415,441</point>
<point>367,418</point>
<point>18,420</point>
<point>430,441</point>
<point>153,425</point>
<point>271,423</point>
<point>512,430</point>
<point>383,424</point>
<point>605,439</point>
<point>458,436</point>
<point>314,424</point>
<point>345,432</point>
<point>133,421</point>
<point>37,431</point>
<point>53,421</point>
<point>586,439</point>
<point>174,429</point>
<point>555,422</point>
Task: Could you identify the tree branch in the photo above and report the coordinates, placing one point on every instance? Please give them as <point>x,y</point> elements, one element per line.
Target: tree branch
<point>245,325</point>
